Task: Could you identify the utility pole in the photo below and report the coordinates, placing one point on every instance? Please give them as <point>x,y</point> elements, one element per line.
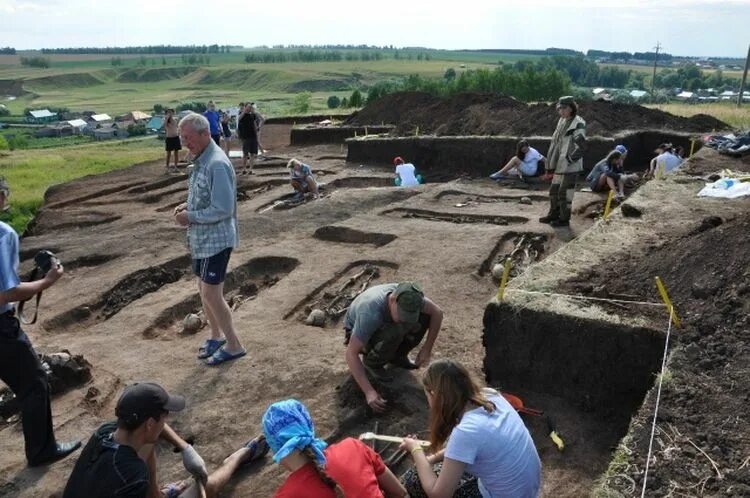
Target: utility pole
<point>653,77</point>
<point>744,78</point>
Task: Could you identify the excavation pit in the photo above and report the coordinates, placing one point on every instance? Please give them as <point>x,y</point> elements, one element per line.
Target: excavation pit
<point>523,249</point>
<point>352,236</point>
<point>437,216</point>
<point>334,296</point>
<point>590,376</point>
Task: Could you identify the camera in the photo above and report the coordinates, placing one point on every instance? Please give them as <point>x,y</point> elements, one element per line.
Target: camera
<point>45,260</point>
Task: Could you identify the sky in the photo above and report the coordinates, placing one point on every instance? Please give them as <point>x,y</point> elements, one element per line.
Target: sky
<point>683,27</point>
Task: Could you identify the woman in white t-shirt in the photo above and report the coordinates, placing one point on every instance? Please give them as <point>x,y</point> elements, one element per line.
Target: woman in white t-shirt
<point>527,162</point>
<point>474,431</point>
<point>405,173</point>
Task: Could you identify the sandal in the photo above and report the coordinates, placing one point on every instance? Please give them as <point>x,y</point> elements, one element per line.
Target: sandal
<point>258,447</point>
<point>210,347</point>
<point>222,356</point>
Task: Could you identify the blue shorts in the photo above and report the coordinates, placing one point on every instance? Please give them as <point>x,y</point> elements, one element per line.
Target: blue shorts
<point>212,270</point>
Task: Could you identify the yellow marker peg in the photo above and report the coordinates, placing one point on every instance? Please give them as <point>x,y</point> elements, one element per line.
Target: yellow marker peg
<point>416,131</point>
<point>365,130</point>
<point>668,302</point>
<point>660,170</point>
<point>557,440</point>
<point>504,280</point>
<point>608,206</point>
<point>692,147</point>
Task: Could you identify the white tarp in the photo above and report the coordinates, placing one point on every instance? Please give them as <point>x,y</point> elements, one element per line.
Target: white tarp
<point>726,188</point>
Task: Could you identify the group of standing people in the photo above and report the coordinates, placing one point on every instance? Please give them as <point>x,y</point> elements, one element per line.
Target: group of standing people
<point>248,125</point>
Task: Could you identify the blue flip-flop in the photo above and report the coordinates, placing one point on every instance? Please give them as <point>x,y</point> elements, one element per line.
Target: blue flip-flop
<point>258,447</point>
<point>209,347</point>
<point>221,356</point>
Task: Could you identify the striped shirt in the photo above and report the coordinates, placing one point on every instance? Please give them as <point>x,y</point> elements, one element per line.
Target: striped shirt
<point>212,204</point>
<point>8,262</point>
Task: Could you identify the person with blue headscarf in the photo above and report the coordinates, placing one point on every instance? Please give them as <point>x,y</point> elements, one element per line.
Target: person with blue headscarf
<point>347,468</point>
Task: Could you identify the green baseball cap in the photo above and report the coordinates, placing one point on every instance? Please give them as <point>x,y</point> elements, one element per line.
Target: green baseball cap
<point>410,301</point>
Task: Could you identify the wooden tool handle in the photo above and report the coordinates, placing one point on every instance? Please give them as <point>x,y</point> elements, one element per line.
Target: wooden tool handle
<point>391,439</point>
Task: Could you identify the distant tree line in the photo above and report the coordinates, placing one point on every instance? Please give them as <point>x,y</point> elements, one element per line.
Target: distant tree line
<point>644,56</point>
<point>148,49</point>
<point>546,51</point>
<point>271,56</point>
<point>7,51</point>
<point>526,84</point>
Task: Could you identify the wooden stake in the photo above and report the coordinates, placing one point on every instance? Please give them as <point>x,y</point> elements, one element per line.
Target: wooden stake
<point>608,206</point>
<point>692,147</point>
<point>504,280</point>
<point>744,78</point>
<point>660,170</point>
<point>416,131</point>
<point>365,130</point>
<point>665,297</point>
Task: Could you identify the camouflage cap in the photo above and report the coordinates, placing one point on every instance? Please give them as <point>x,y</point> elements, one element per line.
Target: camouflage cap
<point>4,184</point>
<point>567,100</point>
<point>410,301</point>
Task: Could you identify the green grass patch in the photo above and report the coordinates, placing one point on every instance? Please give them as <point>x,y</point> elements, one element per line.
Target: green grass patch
<point>31,172</point>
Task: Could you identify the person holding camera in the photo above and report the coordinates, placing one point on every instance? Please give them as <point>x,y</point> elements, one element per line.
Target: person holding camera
<point>20,367</point>
<point>210,215</point>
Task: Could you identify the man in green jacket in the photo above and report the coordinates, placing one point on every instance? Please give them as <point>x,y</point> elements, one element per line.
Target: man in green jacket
<point>565,160</point>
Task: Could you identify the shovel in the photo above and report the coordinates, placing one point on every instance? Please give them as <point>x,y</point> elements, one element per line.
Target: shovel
<point>517,404</point>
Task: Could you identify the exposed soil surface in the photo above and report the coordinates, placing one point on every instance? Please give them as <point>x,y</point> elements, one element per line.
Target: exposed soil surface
<point>705,399</point>
<point>486,114</point>
<point>128,286</point>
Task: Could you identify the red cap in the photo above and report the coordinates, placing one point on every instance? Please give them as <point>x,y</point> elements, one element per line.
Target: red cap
<point>397,160</point>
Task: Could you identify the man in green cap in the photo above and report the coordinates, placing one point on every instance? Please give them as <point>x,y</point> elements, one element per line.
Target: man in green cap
<point>384,324</point>
<point>565,160</point>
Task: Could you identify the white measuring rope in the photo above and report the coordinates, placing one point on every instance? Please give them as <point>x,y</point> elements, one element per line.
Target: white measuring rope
<point>658,398</point>
<point>587,298</point>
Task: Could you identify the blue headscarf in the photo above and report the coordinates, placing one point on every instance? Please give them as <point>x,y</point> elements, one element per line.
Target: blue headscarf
<point>288,427</point>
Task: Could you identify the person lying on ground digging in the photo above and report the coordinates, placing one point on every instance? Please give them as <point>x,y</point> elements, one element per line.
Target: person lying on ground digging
<point>609,173</point>
<point>210,215</point>
<point>20,368</point>
<point>302,179</point>
<point>120,460</point>
<point>565,161</point>
<point>479,445</point>
<point>527,162</point>
<point>406,174</point>
<point>384,324</point>
<point>347,468</point>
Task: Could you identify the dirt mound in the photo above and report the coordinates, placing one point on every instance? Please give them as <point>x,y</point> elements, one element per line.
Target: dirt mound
<point>488,114</point>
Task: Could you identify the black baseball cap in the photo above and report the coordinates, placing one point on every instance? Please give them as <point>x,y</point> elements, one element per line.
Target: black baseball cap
<point>409,300</point>
<point>142,400</point>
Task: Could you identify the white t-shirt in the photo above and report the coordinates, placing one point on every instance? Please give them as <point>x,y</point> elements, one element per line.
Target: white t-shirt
<point>529,163</point>
<point>406,173</point>
<point>671,162</point>
<point>497,448</point>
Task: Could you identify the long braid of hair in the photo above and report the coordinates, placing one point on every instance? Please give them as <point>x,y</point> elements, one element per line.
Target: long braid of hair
<point>327,480</point>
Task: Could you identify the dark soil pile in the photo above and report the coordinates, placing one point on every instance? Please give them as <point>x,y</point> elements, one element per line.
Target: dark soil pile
<point>488,114</point>
<point>704,404</point>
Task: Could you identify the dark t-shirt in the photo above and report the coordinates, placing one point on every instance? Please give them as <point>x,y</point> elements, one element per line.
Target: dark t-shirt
<point>106,469</point>
<point>246,128</point>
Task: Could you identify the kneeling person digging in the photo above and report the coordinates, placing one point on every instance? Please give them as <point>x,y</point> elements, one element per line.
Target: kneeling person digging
<point>384,324</point>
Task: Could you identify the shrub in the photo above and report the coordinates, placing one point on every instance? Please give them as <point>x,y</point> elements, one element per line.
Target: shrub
<point>191,106</point>
<point>450,74</point>
<point>356,99</point>
<point>18,142</point>
<point>158,109</point>
<point>136,129</point>
<point>4,111</point>
<point>333,102</point>
<point>301,102</point>
<point>344,103</point>
<point>3,143</point>
<point>42,62</point>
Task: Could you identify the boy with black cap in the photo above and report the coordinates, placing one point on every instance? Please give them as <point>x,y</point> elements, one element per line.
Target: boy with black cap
<point>119,459</point>
<point>20,367</point>
<point>384,324</point>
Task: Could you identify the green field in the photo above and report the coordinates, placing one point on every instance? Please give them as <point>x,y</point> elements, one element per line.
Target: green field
<point>90,82</point>
<point>31,172</point>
